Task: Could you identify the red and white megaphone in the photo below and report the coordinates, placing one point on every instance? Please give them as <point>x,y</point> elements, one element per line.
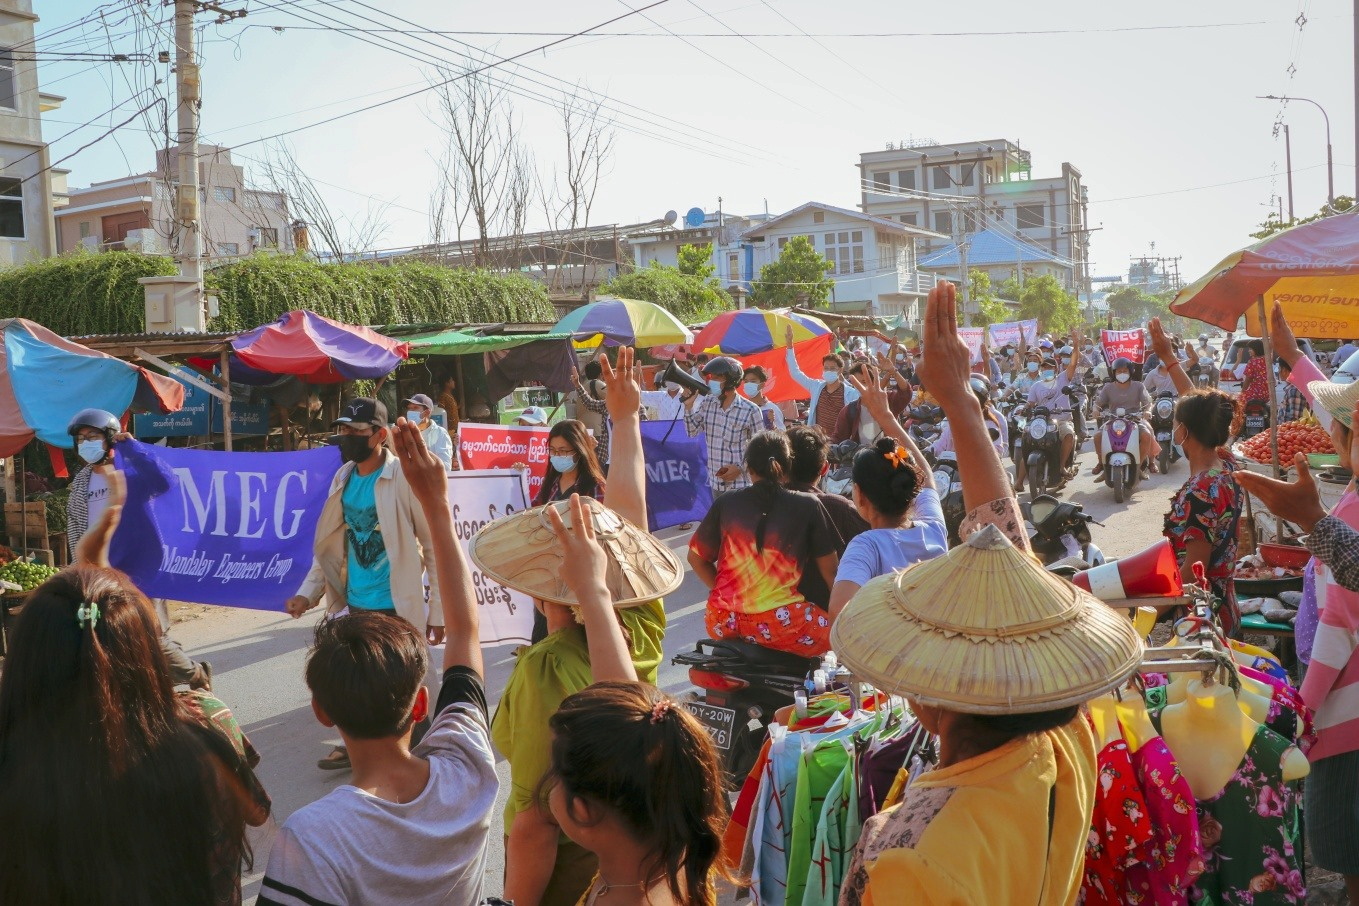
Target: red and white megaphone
<point>1152,573</point>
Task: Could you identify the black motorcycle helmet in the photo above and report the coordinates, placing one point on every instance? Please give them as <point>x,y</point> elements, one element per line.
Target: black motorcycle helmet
<point>1121,362</point>
<point>98,419</point>
<point>724,368</point>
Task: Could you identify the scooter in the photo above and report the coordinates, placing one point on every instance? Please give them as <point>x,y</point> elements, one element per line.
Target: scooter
<point>1256,418</point>
<point>740,686</point>
<point>949,486</point>
<point>1122,446</point>
<point>1205,373</point>
<point>840,477</point>
<point>1076,394</point>
<point>925,424</point>
<point>1061,533</point>
<point>1041,449</point>
<point>1162,426</point>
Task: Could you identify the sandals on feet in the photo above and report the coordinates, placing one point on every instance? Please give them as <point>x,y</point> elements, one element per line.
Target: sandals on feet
<point>337,760</point>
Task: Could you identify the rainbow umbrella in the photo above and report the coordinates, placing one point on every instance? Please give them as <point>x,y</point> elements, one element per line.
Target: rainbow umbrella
<point>752,330</point>
<point>624,322</point>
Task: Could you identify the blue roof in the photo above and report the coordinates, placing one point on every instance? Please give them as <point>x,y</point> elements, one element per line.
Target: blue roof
<point>990,247</point>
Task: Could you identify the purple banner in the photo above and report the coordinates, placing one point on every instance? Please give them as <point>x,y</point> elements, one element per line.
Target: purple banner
<point>677,488</point>
<point>220,528</point>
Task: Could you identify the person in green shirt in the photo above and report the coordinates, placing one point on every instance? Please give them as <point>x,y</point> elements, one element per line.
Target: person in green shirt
<point>542,867</point>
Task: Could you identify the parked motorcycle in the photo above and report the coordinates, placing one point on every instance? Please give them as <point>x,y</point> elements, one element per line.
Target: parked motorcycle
<point>840,476</point>
<point>1256,418</point>
<point>1061,532</point>
<point>1162,427</point>
<point>925,423</point>
<point>1122,447</point>
<point>739,687</point>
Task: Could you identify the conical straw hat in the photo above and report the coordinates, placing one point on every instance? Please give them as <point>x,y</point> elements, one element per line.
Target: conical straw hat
<point>985,630</point>
<point>521,552</point>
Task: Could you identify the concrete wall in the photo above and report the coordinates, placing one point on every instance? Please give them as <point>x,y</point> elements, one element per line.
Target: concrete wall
<point>22,153</point>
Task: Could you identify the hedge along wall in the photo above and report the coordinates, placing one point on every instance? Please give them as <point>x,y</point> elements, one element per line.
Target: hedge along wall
<point>85,293</point>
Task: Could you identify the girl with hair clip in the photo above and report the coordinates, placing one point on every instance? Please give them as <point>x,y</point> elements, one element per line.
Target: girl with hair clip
<point>113,790</point>
<point>894,492</point>
<point>752,548</point>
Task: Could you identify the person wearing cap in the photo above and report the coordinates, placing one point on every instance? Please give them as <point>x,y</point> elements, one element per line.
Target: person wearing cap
<point>532,417</point>
<point>728,422</point>
<point>437,440</point>
<point>1028,375</point>
<point>592,409</point>
<point>1004,815</point>
<point>665,400</point>
<point>1047,391</point>
<point>1326,630</point>
<point>373,546</point>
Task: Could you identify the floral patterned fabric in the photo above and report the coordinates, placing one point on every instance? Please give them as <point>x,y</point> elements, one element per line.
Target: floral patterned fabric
<point>1207,508</point>
<point>1255,381</point>
<point>1175,857</point>
<point>1120,828</point>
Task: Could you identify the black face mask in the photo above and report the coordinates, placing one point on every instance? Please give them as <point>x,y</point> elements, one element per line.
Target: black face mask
<point>353,447</point>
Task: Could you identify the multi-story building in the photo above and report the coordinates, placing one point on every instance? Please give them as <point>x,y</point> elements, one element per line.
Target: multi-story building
<point>27,181</point>
<point>997,254</point>
<point>874,259</point>
<point>972,186</point>
<point>138,211</point>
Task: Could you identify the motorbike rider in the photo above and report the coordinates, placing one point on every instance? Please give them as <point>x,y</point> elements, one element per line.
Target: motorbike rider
<point>1158,380</point>
<point>1132,397</point>
<point>1033,360</point>
<point>1000,431</point>
<point>1207,360</point>
<point>93,490</point>
<point>1047,391</point>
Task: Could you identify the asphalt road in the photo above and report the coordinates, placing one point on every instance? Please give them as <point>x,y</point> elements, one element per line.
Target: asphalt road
<point>258,657</point>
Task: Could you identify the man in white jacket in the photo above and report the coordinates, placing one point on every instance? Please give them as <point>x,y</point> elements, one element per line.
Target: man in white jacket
<point>373,546</point>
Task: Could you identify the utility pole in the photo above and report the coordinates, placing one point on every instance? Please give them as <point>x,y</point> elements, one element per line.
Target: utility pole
<point>187,89</point>
<point>1288,162</point>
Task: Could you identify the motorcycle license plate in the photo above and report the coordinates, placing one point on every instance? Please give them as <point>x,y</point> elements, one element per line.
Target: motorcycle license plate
<point>1256,422</point>
<point>719,722</point>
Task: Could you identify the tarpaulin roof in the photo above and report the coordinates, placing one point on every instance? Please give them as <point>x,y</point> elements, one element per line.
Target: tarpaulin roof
<point>319,350</point>
<point>45,379</point>
<point>455,342</point>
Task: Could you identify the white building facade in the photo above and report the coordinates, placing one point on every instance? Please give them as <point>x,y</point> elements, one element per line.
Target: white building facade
<point>27,182</point>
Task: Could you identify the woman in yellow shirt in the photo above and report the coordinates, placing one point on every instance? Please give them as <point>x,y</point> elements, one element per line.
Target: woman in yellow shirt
<point>995,656</point>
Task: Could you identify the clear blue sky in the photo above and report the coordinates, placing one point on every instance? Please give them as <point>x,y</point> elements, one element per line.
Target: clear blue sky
<point>1159,115</point>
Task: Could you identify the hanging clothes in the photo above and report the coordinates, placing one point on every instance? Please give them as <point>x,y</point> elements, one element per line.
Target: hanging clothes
<point>837,833</point>
<point>1120,828</point>
<point>1175,859</point>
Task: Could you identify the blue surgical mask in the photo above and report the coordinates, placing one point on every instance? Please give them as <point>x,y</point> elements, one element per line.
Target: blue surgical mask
<point>563,463</point>
<point>715,387</point>
<point>830,375</point>
<point>92,451</point>
<point>1031,367</point>
<point>415,416</point>
<point>1048,374</point>
<point>750,388</point>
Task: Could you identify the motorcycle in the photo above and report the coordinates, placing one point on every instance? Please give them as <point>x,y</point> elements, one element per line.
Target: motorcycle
<point>1205,373</point>
<point>1256,418</point>
<point>1011,407</point>
<point>739,687</point>
<point>1093,383</point>
<point>1041,449</point>
<point>1076,394</point>
<point>840,477</point>
<point>1122,447</point>
<point>1162,426</point>
<point>949,486</point>
<point>1061,533</point>
<point>925,424</point>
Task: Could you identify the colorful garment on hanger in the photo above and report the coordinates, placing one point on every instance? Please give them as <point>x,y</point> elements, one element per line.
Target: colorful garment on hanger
<point>1120,829</point>
<point>1287,700</point>
<point>822,768</point>
<point>837,832</point>
<point>879,763</point>
<point>1175,858</point>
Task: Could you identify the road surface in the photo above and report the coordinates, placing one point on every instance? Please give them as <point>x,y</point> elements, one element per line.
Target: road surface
<point>258,658</point>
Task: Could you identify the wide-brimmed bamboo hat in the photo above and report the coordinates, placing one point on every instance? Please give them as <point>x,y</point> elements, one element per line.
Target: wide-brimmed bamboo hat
<point>521,552</point>
<point>984,629</point>
<point>1337,397</point>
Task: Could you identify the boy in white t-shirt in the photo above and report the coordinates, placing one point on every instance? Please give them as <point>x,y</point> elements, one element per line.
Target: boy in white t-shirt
<point>412,825</point>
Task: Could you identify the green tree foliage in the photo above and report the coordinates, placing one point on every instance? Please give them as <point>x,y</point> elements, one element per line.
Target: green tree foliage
<point>990,310</point>
<point>84,293</point>
<point>1042,297</point>
<point>697,261</point>
<point>797,277</point>
<point>686,296</point>
<point>1274,225</point>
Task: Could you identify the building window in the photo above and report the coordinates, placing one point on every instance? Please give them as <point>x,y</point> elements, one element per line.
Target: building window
<point>85,227</point>
<point>268,238</point>
<point>968,171</point>
<point>8,92</point>
<point>11,208</point>
<point>882,181</point>
<point>1029,216</point>
<point>224,193</point>
<point>783,240</point>
<point>733,267</point>
<point>228,248</point>
<point>818,216</point>
<point>910,218</point>
<point>906,179</point>
<point>941,178</point>
<point>845,250</point>
<point>943,222</point>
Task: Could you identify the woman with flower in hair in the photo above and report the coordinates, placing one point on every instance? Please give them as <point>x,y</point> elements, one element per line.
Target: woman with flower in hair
<point>894,491</point>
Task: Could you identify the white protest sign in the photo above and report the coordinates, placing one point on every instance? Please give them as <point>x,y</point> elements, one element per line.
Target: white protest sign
<point>479,497</point>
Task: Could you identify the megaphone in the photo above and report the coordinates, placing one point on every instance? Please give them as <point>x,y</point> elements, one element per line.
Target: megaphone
<point>674,374</point>
<point>1152,573</point>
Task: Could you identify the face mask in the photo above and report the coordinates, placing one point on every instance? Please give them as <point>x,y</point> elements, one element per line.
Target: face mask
<point>715,387</point>
<point>563,463</point>
<point>1086,348</point>
<point>751,388</point>
<point>1183,437</point>
<point>1123,377</point>
<point>415,416</point>
<point>92,451</point>
<point>830,375</point>
<point>1031,367</point>
<point>1048,374</point>
<point>354,447</point>
<point>901,358</point>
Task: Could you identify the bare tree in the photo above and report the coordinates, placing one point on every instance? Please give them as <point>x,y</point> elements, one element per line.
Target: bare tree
<point>589,138</point>
<point>337,236</point>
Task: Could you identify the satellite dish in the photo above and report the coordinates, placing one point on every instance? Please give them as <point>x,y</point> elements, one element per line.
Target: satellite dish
<point>694,217</point>
<point>671,217</point>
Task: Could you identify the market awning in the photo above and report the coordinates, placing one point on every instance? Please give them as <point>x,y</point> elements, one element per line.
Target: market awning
<point>318,350</point>
<point>456,342</point>
<point>45,379</point>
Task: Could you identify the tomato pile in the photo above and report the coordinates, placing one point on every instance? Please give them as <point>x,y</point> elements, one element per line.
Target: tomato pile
<point>1294,437</point>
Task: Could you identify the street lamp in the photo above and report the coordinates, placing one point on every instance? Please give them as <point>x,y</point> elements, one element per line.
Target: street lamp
<point>1330,167</point>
